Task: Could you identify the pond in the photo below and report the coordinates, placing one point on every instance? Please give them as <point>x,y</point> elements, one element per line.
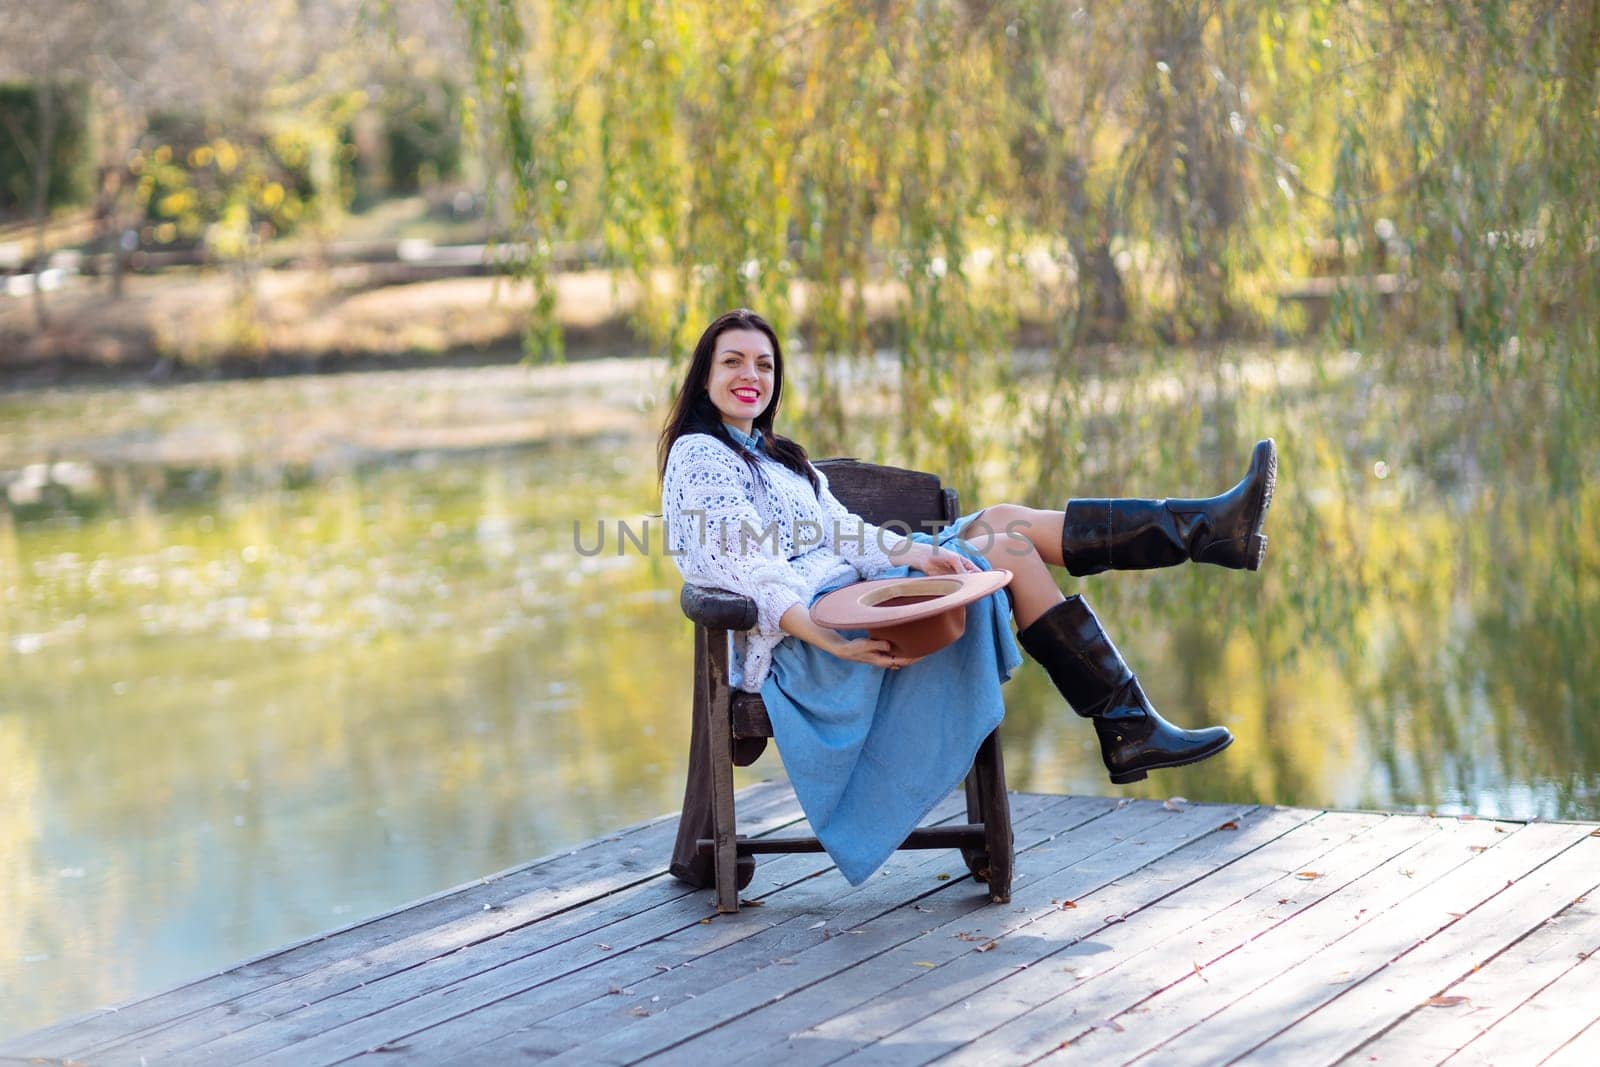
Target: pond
<point>276,656</point>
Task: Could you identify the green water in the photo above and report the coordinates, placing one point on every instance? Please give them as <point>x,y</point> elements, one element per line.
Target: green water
<point>276,656</point>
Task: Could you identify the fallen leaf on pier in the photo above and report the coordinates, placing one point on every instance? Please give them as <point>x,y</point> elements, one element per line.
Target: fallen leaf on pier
<point>640,1010</point>
<point>1229,825</point>
<point>1444,1002</point>
<point>1307,875</point>
<point>1174,803</point>
<point>924,963</point>
<point>1067,905</point>
<point>986,948</point>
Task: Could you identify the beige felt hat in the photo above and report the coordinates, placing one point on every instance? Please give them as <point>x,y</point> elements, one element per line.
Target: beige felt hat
<point>917,615</point>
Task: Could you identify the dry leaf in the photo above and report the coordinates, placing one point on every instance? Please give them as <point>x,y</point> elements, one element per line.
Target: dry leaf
<point>944,877</point>
<point>1116,919</point>
<point>1112,1024</point>
<point>752,903</point>
<point>1307,875</point>
<point>1068,904</point>
<point>705,922</point>
<point>784,962</point>
<point>1478,848</point>
<point>604,947</point>
<point>640,1010</point>
<point>1229,825</point>
<point>1174,803</point>
<point>818,925</point>
<point>1444,1002</point>
<point>924,963</point>
<point>986,948</point>
<point>1198,975</point>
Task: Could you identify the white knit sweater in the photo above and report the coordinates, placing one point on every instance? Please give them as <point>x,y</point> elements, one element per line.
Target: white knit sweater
<point>777,543</point>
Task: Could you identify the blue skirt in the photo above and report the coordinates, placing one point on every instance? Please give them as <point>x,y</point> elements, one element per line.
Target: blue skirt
<point>869,750</point>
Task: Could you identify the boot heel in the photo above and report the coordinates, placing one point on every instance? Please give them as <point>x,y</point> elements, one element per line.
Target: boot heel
<point>1128,776</point>
<point>1256,550</point>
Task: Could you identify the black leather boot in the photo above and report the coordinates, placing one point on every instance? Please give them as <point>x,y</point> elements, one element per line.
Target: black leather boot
<point>1089,671</point>
<point>1130,535</point>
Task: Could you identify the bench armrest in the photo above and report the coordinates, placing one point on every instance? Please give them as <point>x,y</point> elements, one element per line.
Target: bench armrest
<point>717,609</point>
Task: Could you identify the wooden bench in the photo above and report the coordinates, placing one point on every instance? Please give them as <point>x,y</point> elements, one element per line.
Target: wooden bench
<point>731,727</point>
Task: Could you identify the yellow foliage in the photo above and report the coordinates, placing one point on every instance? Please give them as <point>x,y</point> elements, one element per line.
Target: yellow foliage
<point>227,155</point>
<point>271,196</point>
<point>202,156</point>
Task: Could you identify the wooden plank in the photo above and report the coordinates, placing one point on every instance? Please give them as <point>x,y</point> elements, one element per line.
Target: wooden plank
<point>785,946</point>
<point>1494,987</point>
<point>1541,1024</point>
<point>1581,1051</point>
<point>1146,831</point>
<point>522,957</point>
<point>442,989</point>
<point>400,938</point>
<point>677,959</point>
<point>1191,995</point>
<point>1246,1024</point>
<point>1403,982</point>
<point>1029,1014</point>
<point>879,997</point>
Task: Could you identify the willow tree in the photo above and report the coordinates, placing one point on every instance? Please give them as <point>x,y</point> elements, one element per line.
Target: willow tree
<point>1148,172</point>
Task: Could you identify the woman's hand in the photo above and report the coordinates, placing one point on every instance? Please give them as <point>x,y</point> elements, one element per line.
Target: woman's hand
<point>930,559</point>
<point>871,650</point>
<point>798,622</point>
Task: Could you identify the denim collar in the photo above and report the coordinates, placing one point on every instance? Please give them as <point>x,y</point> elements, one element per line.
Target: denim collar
<point>751,442</point>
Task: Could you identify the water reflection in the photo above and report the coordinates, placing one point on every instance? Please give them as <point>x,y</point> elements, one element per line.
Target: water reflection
<point>243,702</point>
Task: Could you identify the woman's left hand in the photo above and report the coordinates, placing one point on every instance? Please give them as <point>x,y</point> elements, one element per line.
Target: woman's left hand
<point>934,560</point>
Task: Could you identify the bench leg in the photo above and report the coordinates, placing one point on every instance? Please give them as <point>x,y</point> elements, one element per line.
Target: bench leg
<point>995,810</point>
<point>700,795</point>
<point>977,859</point>
<point>719,727</point>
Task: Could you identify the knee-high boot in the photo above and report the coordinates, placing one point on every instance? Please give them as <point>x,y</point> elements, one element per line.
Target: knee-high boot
<point>1090,673</point>
<point>1101,534</point>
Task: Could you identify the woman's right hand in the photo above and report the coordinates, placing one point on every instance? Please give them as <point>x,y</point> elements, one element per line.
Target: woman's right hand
<point>871,650</point>
<point>797,621</point>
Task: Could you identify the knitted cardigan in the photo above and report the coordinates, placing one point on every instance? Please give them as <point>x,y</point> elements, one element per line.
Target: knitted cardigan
<point>774,541</point>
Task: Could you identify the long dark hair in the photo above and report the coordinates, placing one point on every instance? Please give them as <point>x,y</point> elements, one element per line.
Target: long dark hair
<point>693,411</point>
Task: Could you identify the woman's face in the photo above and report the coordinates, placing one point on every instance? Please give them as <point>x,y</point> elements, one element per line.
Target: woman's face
<point>742,375</point>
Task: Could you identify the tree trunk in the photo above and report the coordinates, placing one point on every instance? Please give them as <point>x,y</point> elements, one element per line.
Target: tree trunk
<point>42,163</point>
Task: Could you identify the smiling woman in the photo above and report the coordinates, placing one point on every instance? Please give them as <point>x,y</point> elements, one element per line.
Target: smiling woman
<point>849,712</point>
<point>742,373</point>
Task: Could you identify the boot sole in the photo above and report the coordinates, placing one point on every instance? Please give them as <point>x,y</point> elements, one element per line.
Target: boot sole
<point>1256,545</point>
<point>1127,777</point>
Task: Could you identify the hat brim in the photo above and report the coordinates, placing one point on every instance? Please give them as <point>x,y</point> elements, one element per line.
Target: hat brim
<point>885,602</point>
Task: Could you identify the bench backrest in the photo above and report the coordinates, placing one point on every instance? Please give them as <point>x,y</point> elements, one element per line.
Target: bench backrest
<point>882,494</point>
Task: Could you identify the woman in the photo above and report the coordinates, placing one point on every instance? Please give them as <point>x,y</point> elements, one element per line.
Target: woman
<point>746,511</point>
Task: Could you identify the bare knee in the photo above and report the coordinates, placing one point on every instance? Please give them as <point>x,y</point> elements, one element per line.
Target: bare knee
<point>1001,531</point>
<point>1002,536</point>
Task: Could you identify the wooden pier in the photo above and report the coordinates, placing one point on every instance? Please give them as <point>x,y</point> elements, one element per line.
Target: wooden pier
<point>1185,933</point>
